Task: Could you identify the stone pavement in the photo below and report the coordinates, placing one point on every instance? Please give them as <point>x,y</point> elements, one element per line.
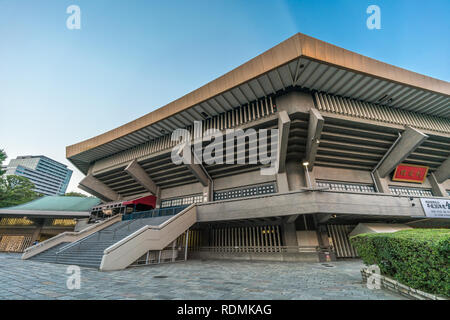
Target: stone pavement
<point>193,279</point>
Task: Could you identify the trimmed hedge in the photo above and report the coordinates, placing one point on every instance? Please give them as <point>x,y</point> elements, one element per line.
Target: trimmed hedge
<point>418,258</point>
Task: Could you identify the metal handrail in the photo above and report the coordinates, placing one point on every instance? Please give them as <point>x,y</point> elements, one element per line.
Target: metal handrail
<point>72,244</point>
<point>153,213</point>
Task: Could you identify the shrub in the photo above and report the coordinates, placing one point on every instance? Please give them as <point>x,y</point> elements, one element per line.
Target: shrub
<point>418,258</point>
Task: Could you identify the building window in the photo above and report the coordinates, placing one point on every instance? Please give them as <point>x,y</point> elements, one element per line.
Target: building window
<point>245,192</point>
<point>176,202</point>
<point>349,187</point>
<point>417,192</point>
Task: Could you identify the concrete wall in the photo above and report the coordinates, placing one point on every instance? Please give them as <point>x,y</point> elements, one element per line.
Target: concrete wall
<point>342,175</point>
<point>243,179</point>
<point>181,191</point>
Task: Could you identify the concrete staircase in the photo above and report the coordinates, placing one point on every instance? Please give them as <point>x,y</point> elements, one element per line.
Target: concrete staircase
<point>88,252</point>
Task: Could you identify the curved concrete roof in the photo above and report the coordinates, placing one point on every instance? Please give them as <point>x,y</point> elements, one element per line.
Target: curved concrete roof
<point>57,203</point>
<point>291,49</point>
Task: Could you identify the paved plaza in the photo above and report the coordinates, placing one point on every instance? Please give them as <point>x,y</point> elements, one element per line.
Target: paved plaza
<point>193,279</point>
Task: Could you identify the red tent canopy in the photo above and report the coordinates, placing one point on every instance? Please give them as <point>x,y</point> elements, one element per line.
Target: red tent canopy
<point>148,201</point>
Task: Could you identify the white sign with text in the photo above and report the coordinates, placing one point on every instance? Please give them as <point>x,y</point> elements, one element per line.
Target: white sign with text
<point>436,208</point>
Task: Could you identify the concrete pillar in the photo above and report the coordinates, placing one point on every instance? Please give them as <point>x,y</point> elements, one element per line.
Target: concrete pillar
<point>284,124</point>
<point>443,172</point>
<point>208,192</point>
<point>158,198</point>
<point>437,188</point>
<point>315,127</point>
<point>39,223</point>
<point>282,182</point>
<point>295,175</point>
<point>381,183</point>
<point>290,237</point>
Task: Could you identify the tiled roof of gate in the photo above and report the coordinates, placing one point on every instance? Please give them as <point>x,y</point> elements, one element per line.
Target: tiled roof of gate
<point>58,203</point>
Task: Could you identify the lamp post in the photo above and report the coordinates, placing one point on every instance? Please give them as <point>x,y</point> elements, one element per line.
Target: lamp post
<point>308,179</point>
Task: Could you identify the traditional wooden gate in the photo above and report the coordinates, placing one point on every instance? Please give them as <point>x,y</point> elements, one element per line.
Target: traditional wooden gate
<point>341,242</point>
<point>14,243</point>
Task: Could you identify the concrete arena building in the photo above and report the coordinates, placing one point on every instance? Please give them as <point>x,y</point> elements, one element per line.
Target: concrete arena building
<point>352,119</point>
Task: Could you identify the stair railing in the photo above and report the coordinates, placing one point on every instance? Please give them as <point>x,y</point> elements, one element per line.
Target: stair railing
<point>72,244</point>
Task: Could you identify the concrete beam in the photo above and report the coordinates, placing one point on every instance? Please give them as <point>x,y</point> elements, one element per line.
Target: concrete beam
<point>437,188</point>
<point>284,124</point>
<point>99,189</point>
<point>443,172</point>
<point>315,127</point>
<point>410,140</point>
<point>139,174</point>
<point>197,169</point>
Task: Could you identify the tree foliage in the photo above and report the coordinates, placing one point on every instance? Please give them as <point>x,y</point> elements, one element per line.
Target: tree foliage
<point>75,194</point>
<point>2,158</point>
<point>14,190</point>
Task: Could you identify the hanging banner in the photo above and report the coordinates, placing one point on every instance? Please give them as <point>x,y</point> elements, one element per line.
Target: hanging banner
<point>410,173</point>
<point>436,208</point>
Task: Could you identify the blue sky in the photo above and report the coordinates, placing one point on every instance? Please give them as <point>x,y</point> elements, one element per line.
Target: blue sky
<point>61,86</point>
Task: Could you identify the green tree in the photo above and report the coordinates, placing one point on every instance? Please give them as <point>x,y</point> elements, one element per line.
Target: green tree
<point>15,190</point>
<point>75,194</point>
<point>2,158</point>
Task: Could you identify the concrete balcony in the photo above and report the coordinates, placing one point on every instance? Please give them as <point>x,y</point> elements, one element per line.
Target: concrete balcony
<point>312,201</point>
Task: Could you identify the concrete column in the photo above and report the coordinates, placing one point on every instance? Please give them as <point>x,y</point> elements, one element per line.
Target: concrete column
<point>410,140</point>
<point>443,172</point>
<point>208,192</point>
<point>381,183</point>
<point>295,175</point>
<point>97,188</point>
<point>437,188</point>
<point>290,236</point>
<point>36,233</point>
<point>315,127</point>
<point>282,182</point>
<point>284,124</point>
<point>158,198</point>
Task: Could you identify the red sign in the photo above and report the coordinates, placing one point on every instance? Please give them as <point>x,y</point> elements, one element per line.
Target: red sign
<point>410,173</point>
